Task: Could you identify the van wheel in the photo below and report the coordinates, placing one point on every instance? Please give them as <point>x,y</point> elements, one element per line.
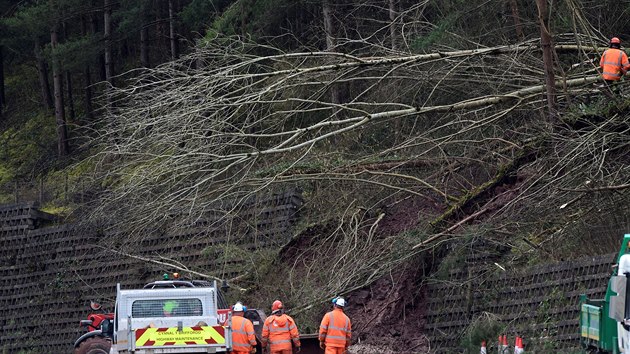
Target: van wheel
<point>94,345</point>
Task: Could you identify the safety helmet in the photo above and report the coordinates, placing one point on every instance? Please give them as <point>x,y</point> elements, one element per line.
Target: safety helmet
<point>169,306</point>
<point>615,40</point>
<point>238,307</point>
<point>339,301</point>
<point>277,305</point>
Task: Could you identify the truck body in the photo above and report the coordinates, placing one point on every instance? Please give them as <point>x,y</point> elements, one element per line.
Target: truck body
<point>169,320</point>
<point>602,320</point>
<point>169,316</point>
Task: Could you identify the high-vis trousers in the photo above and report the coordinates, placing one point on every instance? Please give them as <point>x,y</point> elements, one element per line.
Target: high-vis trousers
<point>334,350</point>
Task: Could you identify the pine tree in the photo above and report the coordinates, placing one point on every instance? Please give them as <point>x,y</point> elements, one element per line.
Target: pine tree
<point>27,29</point>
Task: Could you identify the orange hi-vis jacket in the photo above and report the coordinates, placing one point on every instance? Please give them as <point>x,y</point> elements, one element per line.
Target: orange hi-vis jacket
<point>614,64</point>
<point>279,331</point>
<point>243,338</point>
<point>335,329</point>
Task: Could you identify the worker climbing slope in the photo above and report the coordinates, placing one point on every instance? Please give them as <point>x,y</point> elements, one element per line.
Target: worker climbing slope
<point>243,337</point>
<point>279,331</point>
<point>614,64</point>
<point>335,331</point>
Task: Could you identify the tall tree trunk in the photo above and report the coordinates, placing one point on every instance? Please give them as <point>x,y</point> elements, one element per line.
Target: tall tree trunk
<point>243,17</point>
<point>87,80</point>
<point>339,91</point>
<point>3,100</point>
<point>171,23</point>
<point>101,56</point>
<point>87,93</point>
<point>547,49</point>
<point>144,46</point>
<point>71,112</point>
<point>60,116</point>
<point>393,26</point>
<point>107,34</point>
<point>517,20</point>
<point>42,71</point>
<point>393,34</point>
<point>68,78</point>
<point>160,28</point>
<point>328,25</point>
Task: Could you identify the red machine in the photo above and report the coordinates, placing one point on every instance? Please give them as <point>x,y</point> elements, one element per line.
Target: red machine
<point>97,339</point>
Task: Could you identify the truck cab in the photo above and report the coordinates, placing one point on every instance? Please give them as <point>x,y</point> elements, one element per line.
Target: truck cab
<point>169,317</point>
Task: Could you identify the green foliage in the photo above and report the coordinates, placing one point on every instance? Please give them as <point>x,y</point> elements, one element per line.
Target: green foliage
<point>199,14</point>
<point>260,18</point>
<point>552,300</point>
<point>227,23</point>
<point>453,260</point>
<point>27,22</point>
<point>75,54</point>
<point>25,149</point>
<point>436,35</point>
<point>6,173</point>
<point>486,327</point>
<point>225,252</point>
<point>306,166</point>
<point>56,209</point>
<point>132,14</point>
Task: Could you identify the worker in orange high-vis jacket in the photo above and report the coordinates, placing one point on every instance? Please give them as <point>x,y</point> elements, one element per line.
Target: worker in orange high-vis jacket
<point>335,331</point>
<point>614,63</point>
<point>243,337</point>
<point>280,331</point>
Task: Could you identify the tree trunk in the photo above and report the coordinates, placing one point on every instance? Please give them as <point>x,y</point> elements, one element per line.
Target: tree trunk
<point>107,34</point>
<point>87,79</point>
<point>171,22</point>
<point>328,25</point>
<point>144,47</point>
<point>88,93</point>
<point>62,134</point>
<point>101,57</point>
<point>42,70</point>
<point>245,6</point>
<point>161,30</point>
<point>71,112</point>
<point>517,20</point>
<point>3,100</point>
<point>547,49</point>
<point>339,91</point>
<point>393,29</point>
<point>68,78</point>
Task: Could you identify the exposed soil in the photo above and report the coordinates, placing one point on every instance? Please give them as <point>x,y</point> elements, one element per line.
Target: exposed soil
<point>388,316</point>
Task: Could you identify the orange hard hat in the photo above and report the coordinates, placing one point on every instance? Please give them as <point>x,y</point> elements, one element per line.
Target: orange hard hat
<point>277,305</point>
<point>615,40</point>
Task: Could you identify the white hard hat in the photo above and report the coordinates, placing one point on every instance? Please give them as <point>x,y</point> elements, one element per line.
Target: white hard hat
<point>238,307</point>
<point>339,301</point>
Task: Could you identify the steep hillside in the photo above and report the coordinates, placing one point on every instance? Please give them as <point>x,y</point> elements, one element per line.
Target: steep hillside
<point>429,147</point>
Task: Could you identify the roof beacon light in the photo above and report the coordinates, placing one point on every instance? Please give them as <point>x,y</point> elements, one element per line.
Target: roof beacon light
<point>175,275</point>
<point>165,276</point>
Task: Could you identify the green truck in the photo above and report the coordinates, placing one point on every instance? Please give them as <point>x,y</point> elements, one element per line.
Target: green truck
<point>602,325</point>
